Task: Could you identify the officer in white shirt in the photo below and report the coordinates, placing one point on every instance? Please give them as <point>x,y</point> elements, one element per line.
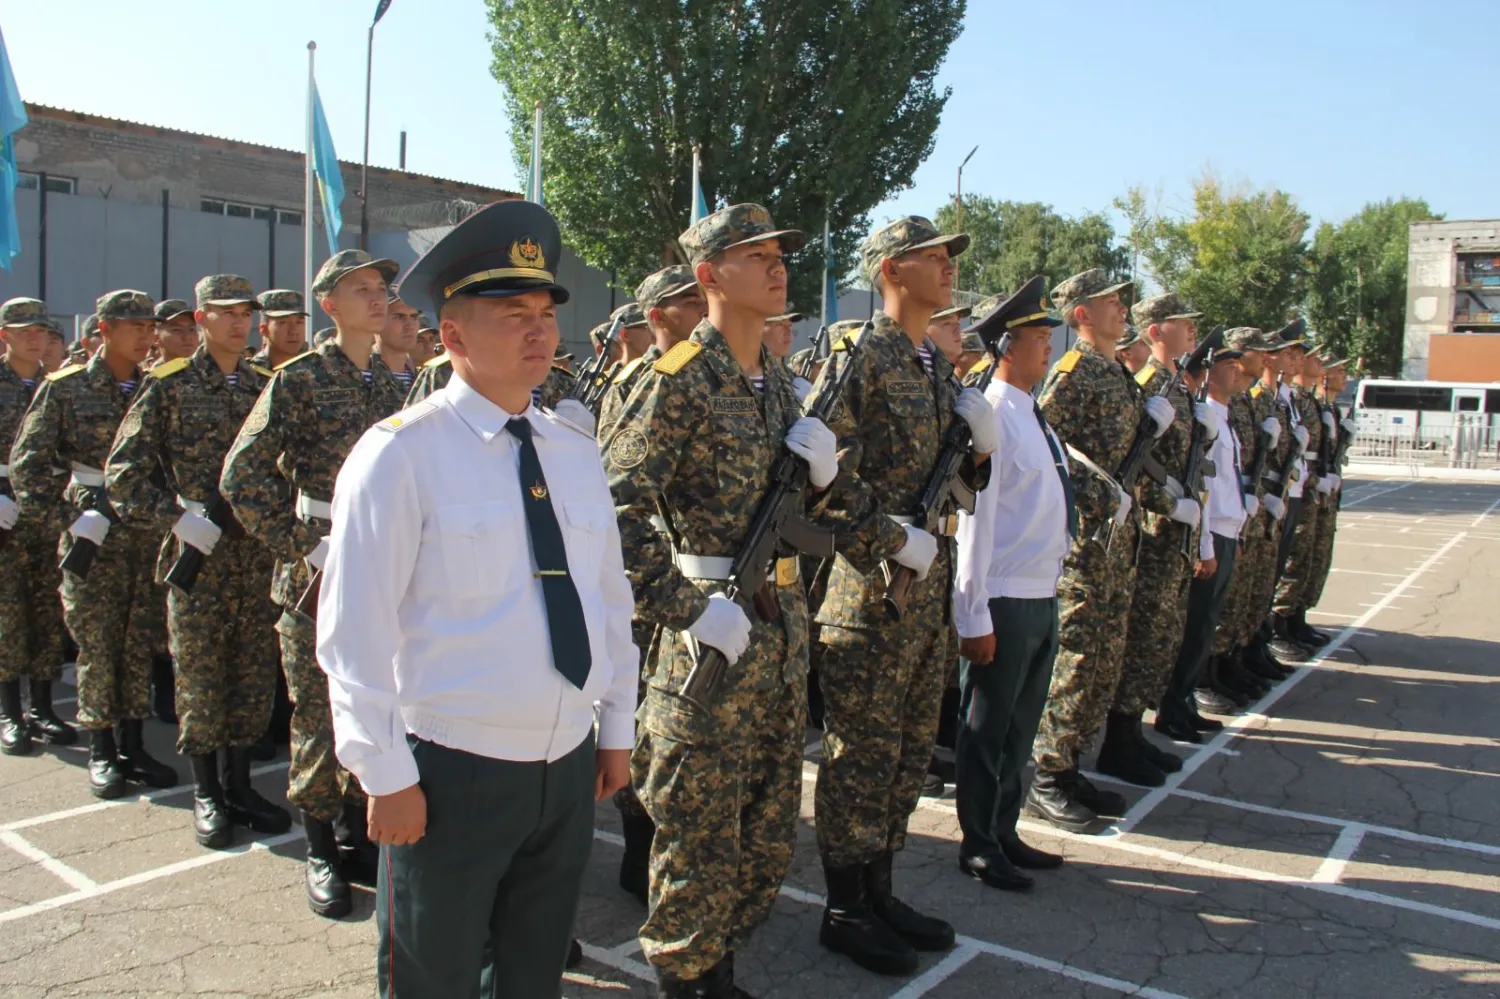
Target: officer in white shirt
<point>474,623</point>
<point>1010,557</point>
<point>1219,542</point>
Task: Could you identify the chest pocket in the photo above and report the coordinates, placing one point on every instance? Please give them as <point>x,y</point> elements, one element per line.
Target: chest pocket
<point>585,526</point>
<point>739,432</point>
<point>475,550</point>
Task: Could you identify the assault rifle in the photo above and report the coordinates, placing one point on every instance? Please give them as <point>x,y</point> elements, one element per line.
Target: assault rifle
<point>1198,466</point>
<point>184,572</point>
<point>81,553</point>
<point>597,373</point>
<point>1286,472</point>
<point>804,370</point>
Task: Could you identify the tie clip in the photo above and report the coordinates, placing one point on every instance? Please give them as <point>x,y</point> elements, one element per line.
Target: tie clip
<point>550,572</point>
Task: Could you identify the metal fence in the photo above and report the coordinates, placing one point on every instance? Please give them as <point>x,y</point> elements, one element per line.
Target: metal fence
<point>1464,441</point>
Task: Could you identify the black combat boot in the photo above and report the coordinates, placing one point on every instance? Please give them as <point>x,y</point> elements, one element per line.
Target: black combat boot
<point>15,733</point>
<point>715,983</point>
<point>1283,646</point>
<point>327,891</point>
<point>635,864</point>
<point>1210,700</point>
<point>1110,804</point>
<point>1054,797</point>
<point>1306,633</point>
<point>1234,680</point>
<point>1195,719</point>
<point>45,724</point>
<point>211,824</point>
<point>1259,648</point>
<point>1122,757</point>
<point>359,858</point>
<point>924,933</point>
<point>245,805</point>
<point>1174,722</point>
<point>1167,763</point>
<point>1258,667</point>
<point>164,689</point>
<point>139,765</point>
<point>106,775</point>
<point>851,927</point>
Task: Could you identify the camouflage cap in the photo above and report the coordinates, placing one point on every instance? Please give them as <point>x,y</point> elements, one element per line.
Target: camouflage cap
<point>171,308</point>
<point>599,334</point>
<point>903,236</point>
<point>1244,338</point>
<point>323,335</point>
<point>347,262</point>
<point>1290,335</point>
<point>560,352</point>
<point>961,311</point>
<point>280,302</point>
<point>1335,362</point>
<point>224,289</point>
<point>629,314</point>
<point>424,324</point>
<point>735,226</point>
<point>1129,338</point>
<point>664,284</point>
<point>1161,309</point>
<point>984,308</point>
<point>20,312</point>
<point>1078,289</point>
<point>972,343</point>
<point>125,304</point>
<point>787,317</point>
<point>91,325</point>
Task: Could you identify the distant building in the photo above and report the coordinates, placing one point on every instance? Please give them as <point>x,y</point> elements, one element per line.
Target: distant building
<point>1453,302</point>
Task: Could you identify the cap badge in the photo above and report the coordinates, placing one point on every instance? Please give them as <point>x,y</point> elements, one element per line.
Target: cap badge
<point>527,253</point>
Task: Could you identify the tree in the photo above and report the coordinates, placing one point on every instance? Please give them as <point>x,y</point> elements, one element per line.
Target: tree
<point>1241,258</point>
<point>1357,293</point>
<point>805,108</point>
<point>1013,240</point>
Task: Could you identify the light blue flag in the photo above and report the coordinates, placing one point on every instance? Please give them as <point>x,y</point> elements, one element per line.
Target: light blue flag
<point>330,178</point>
<point>12,120</point>
<point>700,204</point>
<point>831,288</point>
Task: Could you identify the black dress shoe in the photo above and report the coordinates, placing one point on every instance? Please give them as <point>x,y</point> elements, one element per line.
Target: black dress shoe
<point>1029,857</point>
<point>1258,667</point>
<point>1211,701</point>
<point>1055,800</point>
<point>1176,728</point>
<point>997,871</point>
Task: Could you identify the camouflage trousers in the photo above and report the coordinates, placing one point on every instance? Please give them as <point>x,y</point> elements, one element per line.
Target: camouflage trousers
<point>222,640</point>
<point>1094,596</point>
<point>882,690</point>
<point>31,614</point>
<point>1296,578</point>
<point>1158,617</point>
<point>118,618</point>
<point>315,781</point>
<point>725,794</point>
<point>1328,525</point>
<point>1255,563</point>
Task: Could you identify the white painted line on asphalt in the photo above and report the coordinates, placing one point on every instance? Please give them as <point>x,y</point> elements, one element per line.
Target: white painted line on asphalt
<point>75,879</point>
<point>1370,494</point>
<point>1375,544</point>
<point>1341,617</point>
<point>628,948</point>
<point>937,974</point>
<point>1331,871</point>
<point>1487,511</point>
<point>610,959</point>
<point>1366,572</point>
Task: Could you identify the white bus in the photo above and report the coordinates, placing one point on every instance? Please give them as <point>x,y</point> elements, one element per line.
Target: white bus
<point>1390,406</point>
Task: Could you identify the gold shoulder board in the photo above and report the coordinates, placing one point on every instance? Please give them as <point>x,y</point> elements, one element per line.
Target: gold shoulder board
<point>1069,361</point>
<point>439,361</point>
<point>171,367</point>
<point>64,372</point>
<point>627,371</point>
<point>288,364</point>
<point>264,372</point>
<point>1144,375</point>
<point>981,365</point>
<point>675,359</point>
<point>1255,392</point>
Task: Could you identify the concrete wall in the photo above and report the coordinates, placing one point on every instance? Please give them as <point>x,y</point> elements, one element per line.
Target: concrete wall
<point>1432,268</point>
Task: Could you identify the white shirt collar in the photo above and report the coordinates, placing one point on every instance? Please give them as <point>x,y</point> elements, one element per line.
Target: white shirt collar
<point>1218,406</point>
<point>486,419</point>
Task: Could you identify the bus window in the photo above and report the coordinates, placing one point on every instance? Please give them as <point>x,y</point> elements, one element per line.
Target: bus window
<point>1492,401</point>
<point>1423,398</point>
<point>1467,404</point>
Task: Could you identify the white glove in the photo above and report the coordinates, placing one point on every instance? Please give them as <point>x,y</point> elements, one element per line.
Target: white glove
<point>724,625</point>
<point>812,441</point>
<point>1204,414</point>
<point>1328,421</point>
<point>90,524</point>
<point>802,387</point>
<point>10,512</point>
<point>1274,506</point>
<point>197,531</point>
<point>1325,485</point>
<point>1336,481</point>
<point>577,414</point>
<point>1187,512</point>
<point>1174,488</point>
<point>1350,427</point>
<point>318,555</point>
<point>1252,505</point>
<point>918,552</point>
<point>1122,512</point>
<point>1161,413</point>
<point>1272,426</point>
<point>974,409</point>
<point>1302,436</point>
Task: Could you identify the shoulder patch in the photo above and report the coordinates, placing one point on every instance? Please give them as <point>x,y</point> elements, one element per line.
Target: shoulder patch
<point>170,368</point>
<point>1144,375</point>
<point>1068,362</point>
<point>65,372</point>
<point>288,364</point>
<point>627,371</point>
<point>439,361</point>
<point>407,417</point>
<point>675,359</point>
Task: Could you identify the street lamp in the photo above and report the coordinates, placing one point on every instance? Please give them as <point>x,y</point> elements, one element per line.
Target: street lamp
<point>958,208</point>
<point>364,165</point>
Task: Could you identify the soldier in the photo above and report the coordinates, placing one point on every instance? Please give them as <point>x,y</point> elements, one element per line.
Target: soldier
<point>1301,496</point>
<point>278,478</point>
<point>56,351</point>
<point>283,327</point>
<point>673,306</point>
<point>176,330</point>
<point>707,423</point>
<point>777,336</point>
<point>323,336</point>
<point>1158,611</point>
<point>31,626</point>
<point>1290,609</point>
<point>1132,350</point>
<point>882,681</point>
<point>973,357</point>
<point>114,611</point>
<point>88,341</point>
<point>428,343</point>
<point>945,331</point>
<point>397,340</point>
<point>1095,408</point>
<point>1342,428</point>
<point>163,473</point>
<point>437,372</point>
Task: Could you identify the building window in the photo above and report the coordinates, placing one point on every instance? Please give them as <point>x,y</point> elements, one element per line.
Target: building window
<point>288,218</point>
<point>239,210</point>
<point>55,185</point>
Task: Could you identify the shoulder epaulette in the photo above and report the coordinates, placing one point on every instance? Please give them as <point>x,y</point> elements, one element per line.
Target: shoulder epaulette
<point>1255,391</point>
<point>982,364</point>
<point>1069,361</point>
<point>439,361</point>
<point>263,372</point>
<point>1144,375</point>
<point>843,342</point>
<point>675,359</point>
<point>287,364</point>
<point>169,368</point>
<point>628,371</point>
<point>64,372</point>
<point>559,367</point>
<point>407,417</point>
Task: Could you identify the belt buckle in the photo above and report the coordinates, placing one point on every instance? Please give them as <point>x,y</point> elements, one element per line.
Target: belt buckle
<point>787,571</point>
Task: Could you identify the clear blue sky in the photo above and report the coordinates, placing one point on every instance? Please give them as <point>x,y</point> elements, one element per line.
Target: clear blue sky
<point>1339,102</point>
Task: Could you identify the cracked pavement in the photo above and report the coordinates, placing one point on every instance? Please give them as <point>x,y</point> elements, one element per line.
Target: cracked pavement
<point>1388,751</point>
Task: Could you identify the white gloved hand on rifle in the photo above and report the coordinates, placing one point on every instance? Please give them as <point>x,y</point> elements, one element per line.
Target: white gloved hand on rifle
<point>723,625</point>
<point>918,552</point>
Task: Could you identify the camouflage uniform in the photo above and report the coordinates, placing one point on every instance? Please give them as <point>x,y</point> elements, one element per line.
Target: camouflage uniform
<point>1322,558</point>
<point>116,614</point>
<point>882,682</point>
<point>31,620</point>
<point>1297,575</point>
<point>168,455</point>
<point>1263,546</point>
<point>722,787</point>
<point>435,374</point>
<point>1246,413</point>
<point>285,459</point>
<point>612,405</point>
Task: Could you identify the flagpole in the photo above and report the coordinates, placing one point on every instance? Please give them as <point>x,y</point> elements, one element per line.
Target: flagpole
<point>535,181</point>
<point>697,186</point>
<point>307,191</point>
<point>364,163</point>
<point>827,267</point>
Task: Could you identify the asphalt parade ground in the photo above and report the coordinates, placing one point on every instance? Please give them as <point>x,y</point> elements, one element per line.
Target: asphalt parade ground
<point>1341,838</point>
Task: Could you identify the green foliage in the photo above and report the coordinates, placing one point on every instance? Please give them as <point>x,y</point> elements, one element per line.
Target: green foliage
<point>1357,292</point>
<point>805,108</point>
<point>1013,240</point>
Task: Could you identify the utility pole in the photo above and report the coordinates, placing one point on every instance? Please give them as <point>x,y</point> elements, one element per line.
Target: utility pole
<point>958,207</point>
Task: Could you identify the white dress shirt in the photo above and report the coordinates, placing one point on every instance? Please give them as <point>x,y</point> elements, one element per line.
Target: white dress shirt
<point>1015,542</point>
<point>1226,498</point>
<point>1285,394</point>
<point>431,618</point>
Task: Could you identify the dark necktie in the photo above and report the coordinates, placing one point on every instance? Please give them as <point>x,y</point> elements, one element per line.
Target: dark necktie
<point>1062,471</point>
<point>565,622</point>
